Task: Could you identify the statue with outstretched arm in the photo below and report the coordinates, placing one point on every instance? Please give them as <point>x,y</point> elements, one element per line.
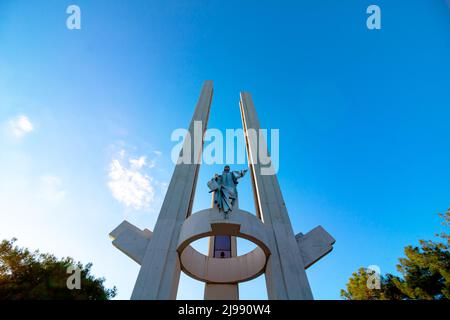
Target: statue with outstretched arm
<point>224,186</point>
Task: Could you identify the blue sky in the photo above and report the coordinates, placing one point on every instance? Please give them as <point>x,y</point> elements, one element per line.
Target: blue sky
<point>363,118</point>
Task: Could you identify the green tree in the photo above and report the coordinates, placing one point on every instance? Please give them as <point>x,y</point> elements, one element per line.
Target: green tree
<point>425,274</point>
<point>358,289</point>
<point>34,275</point>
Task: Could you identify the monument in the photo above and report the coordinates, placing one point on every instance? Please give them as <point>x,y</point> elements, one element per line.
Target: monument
<point>280,255</point>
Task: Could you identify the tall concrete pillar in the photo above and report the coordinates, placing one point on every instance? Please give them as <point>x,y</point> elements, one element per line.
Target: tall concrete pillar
<point>285,270</point>
<point>160,268</point>
<point>218,291</point>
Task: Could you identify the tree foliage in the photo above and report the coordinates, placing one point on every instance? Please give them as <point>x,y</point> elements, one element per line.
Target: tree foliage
<point>425,274</point>
<point>358,289</point>
<point>34,275</point>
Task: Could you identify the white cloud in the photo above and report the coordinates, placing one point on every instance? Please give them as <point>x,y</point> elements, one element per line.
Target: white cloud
<point>20,126</point>
<point>138,163</point>
<point>129,185</point>
<point>51,188</point>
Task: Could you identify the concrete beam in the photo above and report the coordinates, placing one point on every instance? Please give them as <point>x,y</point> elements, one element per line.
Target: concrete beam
<point>285,273</point>
<point>160,269</point>
<point>131,240</point>
<point>314,245</point>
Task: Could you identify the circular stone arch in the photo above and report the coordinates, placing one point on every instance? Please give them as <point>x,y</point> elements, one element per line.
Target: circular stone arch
<point>210,222</point>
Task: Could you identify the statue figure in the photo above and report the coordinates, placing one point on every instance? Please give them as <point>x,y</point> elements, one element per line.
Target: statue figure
<point>224,186</point>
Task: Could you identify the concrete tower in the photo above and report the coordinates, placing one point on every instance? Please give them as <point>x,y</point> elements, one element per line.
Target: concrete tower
<point>280,254</point>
